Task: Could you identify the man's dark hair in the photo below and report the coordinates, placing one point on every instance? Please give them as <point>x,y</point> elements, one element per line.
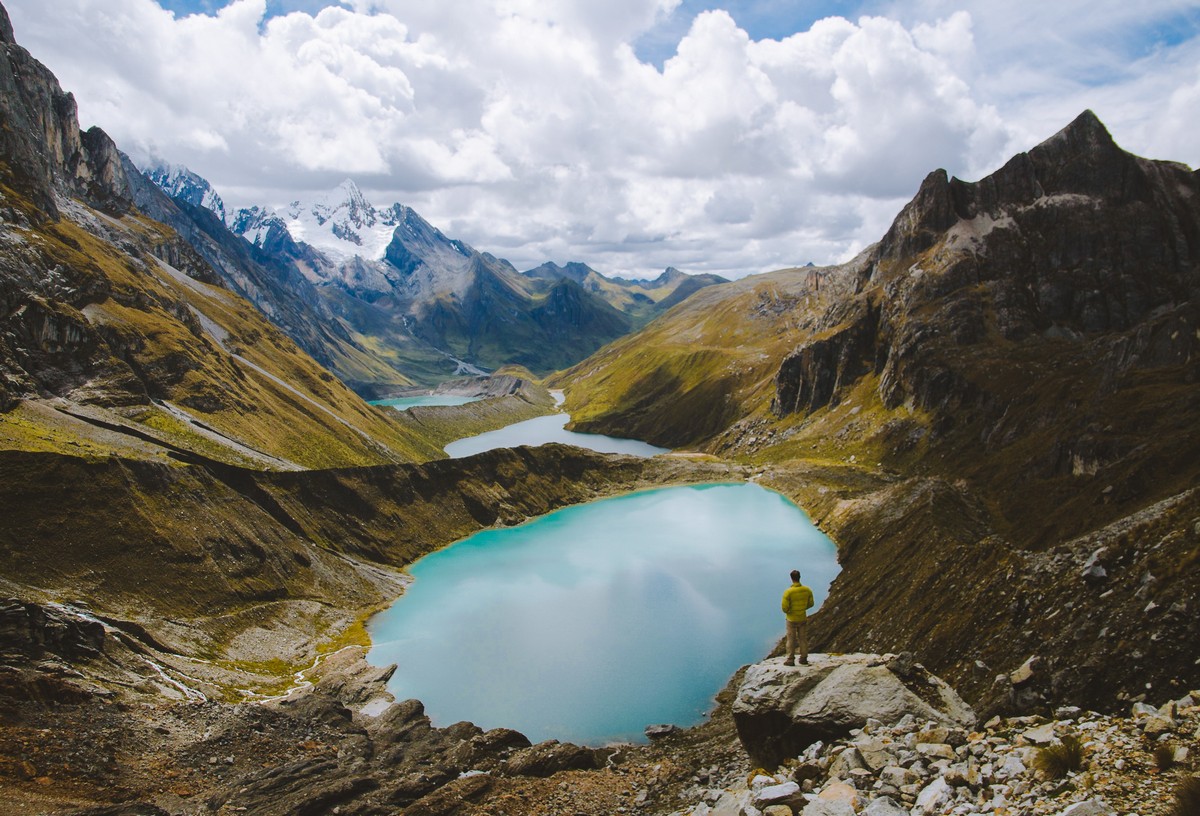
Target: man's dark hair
<point>795,575</point>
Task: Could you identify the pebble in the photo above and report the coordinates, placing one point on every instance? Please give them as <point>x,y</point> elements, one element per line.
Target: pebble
<point>926,770</point>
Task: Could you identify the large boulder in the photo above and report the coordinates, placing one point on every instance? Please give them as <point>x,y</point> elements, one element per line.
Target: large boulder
<point>548,758</point>
<point>780,710</point>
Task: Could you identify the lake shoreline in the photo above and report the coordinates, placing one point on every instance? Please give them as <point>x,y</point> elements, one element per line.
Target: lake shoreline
<point>703,562</point>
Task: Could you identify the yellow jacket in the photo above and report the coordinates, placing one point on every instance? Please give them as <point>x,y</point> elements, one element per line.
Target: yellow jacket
<point>797,600</point>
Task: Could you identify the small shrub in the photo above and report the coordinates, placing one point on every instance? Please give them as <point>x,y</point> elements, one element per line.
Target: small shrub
<point>1164,756</point>
<point>1059,759</point>
<point>1187,798</point>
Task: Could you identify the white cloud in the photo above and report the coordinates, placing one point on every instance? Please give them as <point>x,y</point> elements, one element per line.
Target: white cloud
<point>531,129</point>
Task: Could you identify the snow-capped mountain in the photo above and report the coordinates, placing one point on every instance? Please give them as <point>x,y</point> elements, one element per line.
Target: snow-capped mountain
<point>341,223</point>
<point>179,182</point>
<point>422,299</point>
<point>369,251</point>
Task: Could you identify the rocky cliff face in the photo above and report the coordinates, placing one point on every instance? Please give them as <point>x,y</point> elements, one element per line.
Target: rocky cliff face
<point>1073,240</point>
<point>44,149</point>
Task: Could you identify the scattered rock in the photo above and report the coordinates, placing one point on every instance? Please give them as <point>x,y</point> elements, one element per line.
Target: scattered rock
<point>656,732</point>
<point>885,806</point>
<point>1157,725</point>
<point>1093,571</point>
<point>1041,735</point>
<point>1025,671</point>
<point>943,769</point>
<point>840,792</point>
<point>825,807</point>
<point>934,796</point>
<point>776,794</point>
<point>1088,807</point>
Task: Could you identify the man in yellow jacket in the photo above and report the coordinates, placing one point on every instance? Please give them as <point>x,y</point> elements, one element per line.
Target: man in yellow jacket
<point>797,600</point>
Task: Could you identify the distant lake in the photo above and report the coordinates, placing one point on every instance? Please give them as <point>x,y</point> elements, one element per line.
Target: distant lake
<point>544,429</point>
<point>404,403</point>
<point>593,622</point>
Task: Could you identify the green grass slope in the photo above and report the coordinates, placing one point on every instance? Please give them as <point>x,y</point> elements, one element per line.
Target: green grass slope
<point>101,322</point>
<point>697,369</point>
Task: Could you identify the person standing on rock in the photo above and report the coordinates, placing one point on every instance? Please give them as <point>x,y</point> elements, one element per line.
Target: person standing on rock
<point>797,600</point>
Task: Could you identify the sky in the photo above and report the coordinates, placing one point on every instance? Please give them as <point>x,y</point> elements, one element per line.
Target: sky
<point>732,137</point>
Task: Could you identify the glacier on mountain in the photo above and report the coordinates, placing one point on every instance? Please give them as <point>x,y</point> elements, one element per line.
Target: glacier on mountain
<point>343,224</point>
<point>179,182</point>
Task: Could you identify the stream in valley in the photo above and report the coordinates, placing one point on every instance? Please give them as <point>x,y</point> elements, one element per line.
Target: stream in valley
<point>590,623</point>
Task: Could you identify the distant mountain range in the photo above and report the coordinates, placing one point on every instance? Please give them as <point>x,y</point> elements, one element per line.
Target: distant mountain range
<point>390,286</point>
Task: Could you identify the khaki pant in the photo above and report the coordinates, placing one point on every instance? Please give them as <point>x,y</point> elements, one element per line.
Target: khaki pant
<point>797,640</point>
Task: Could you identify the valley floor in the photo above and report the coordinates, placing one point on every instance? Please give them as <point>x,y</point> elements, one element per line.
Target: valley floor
<point>86,726</point>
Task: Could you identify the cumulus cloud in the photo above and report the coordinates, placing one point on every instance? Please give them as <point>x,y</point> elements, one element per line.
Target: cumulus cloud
<point>534,131</point>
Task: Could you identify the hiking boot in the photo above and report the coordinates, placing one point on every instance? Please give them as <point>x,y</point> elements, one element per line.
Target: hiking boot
<point>803,662</point>
<point>791,661</point>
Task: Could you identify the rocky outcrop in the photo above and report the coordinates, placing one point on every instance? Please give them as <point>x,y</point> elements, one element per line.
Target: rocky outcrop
<point>1074,239</point>
<point>392,759</point>
<point>812,376</point>
<point>780,710</point>
<point>44,151</point>
<point>35,630</point>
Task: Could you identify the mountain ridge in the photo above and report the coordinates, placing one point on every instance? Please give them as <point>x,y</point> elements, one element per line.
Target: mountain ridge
<point>421,299</point>
<point>1011,372</point>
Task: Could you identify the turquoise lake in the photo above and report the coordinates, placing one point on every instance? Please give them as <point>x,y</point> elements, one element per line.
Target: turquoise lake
<point>404,403</point>
<point>543,429</point>
<point>588,624</point>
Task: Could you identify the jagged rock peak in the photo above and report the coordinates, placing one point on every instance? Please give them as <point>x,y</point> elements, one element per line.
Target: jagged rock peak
<point>669,275</point>
<point>345,203</point>
<point>1081,159</point>
<point>574,270</point>
<point>1085,134</point>
<point>179,182</point>
<point>341,223</point>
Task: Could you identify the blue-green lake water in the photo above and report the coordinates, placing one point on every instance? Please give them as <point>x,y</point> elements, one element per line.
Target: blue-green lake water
<point>588,624</point>
<point>404,403</point>
<point>543,429</point>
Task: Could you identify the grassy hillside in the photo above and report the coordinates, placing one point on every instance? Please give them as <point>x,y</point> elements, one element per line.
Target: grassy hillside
<point>119,335</point>
<point>700,367</point>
